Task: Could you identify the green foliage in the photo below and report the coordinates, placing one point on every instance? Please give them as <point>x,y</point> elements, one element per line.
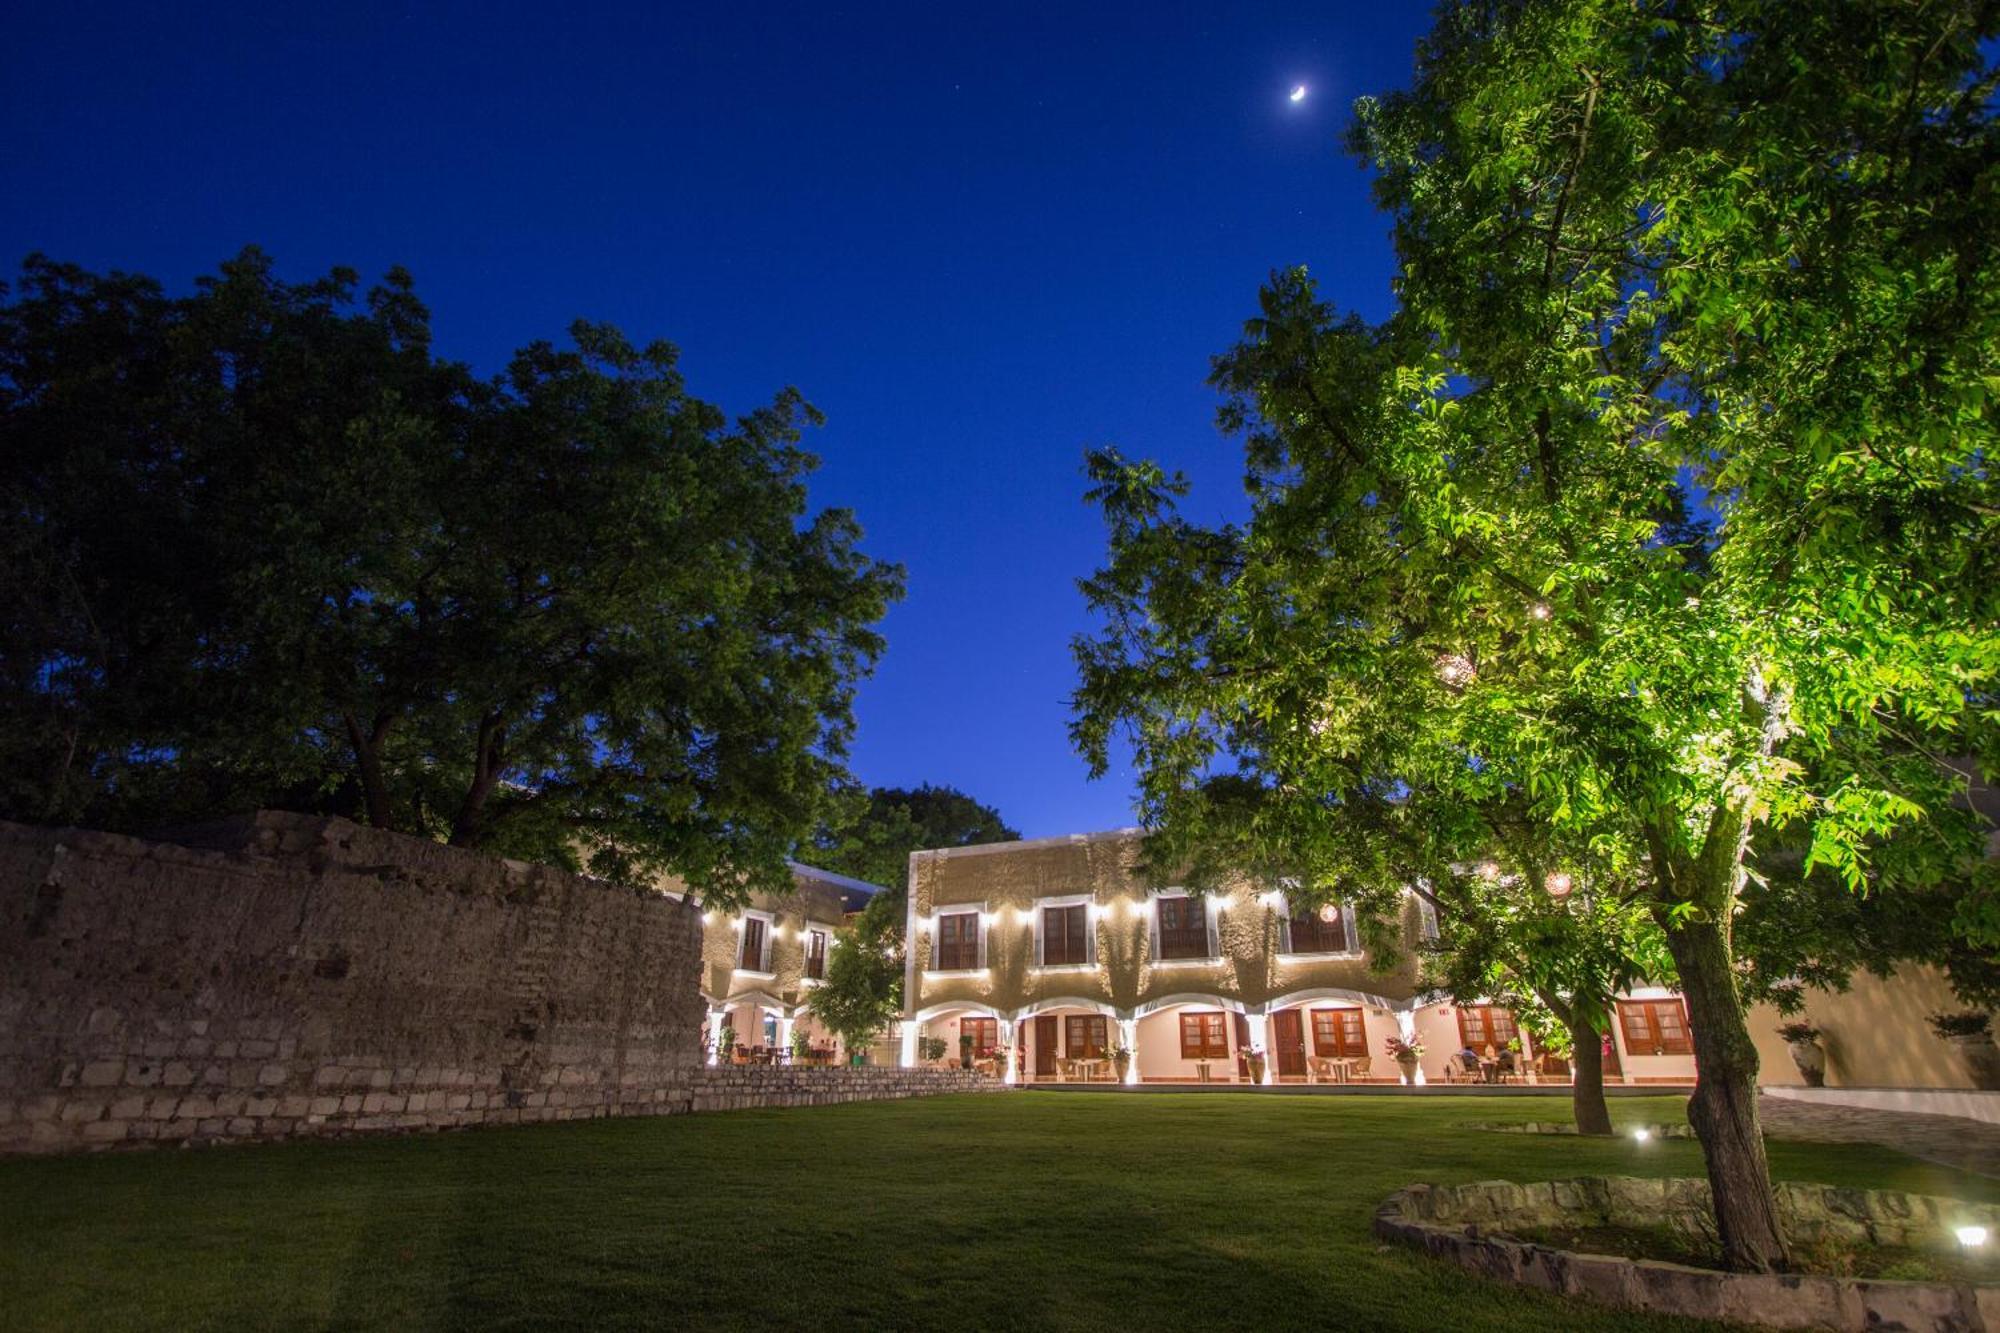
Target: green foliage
<point>874,843</point>
<point>863,990</point>
<point>265,548</point>
<point>1659,515</point>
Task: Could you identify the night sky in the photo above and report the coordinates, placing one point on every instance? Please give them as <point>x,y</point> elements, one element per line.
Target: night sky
<point>979,239</point>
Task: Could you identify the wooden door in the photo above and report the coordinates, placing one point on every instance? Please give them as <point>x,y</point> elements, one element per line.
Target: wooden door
<point>1290,1039</point>
<point>1045,1045</point>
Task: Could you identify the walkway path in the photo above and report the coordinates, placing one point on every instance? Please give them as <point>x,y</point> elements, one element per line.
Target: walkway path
<point>1969,1145</point>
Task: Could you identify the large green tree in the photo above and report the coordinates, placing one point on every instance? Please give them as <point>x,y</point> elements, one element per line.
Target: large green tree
<point>262,546</point>
<point>875,839</point>
<point>1663,502</point>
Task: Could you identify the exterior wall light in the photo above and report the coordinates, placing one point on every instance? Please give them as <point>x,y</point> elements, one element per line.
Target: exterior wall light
<point>1559,885</point>
<point>1971,1237</point>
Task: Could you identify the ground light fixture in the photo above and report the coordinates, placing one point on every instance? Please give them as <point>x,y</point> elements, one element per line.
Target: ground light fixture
<point>1641,1135</point>
<point>1971,1237</point>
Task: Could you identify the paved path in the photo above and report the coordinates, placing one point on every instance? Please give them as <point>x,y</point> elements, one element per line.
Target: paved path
<point>1969,1145</point>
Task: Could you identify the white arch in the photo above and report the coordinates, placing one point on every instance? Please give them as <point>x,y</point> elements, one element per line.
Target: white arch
<point>1151,1007</point>
<point>1312,993</point>
<point>1067,1002</point>
<point>953,1007</point>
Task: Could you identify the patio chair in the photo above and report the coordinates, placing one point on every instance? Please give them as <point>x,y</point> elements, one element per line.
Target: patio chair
<point>1065,1069</point>
<point>1321,1069</point>
<point>1357,1068</point>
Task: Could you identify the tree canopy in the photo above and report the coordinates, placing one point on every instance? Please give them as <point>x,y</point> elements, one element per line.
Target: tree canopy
<point>264,547</point>
<point>1661,508</point>
<point>875,841</point>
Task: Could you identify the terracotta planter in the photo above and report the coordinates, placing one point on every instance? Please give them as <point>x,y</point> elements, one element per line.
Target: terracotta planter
<point>1408,1064</point>
<point>1811,1060</point>
<point>1256,1064</point>
<point>1982,1059</point>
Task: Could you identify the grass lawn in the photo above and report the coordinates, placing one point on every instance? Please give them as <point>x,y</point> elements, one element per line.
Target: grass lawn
<point>1027,1211</point>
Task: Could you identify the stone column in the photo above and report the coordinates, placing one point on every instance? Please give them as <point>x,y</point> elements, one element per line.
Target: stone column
<point>1008,1031</point>
<point>716,1017</point>
<point>1256,1025</point>
<point>785,1034</point>
<point>1406,1027</point>
<point>1128,1037</point>
<point>909,1059</point>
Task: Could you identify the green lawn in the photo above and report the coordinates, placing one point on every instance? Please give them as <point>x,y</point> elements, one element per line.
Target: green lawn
<point>1031,1210</point>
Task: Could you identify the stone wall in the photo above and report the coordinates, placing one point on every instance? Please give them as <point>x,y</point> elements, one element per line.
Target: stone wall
<point>280,974</point>
<point>1467,1225</point>
<point>742,1087</point>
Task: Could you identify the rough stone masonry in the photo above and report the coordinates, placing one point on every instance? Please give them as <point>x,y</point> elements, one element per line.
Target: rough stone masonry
<point>283,974</point>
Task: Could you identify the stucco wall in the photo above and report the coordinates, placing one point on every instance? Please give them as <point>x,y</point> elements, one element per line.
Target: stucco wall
<point>1008,880</point>
<point>281,974</point>
<point>1874,1034</point>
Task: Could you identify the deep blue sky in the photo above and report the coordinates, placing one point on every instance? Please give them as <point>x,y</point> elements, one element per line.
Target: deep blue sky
<point>979,238</point>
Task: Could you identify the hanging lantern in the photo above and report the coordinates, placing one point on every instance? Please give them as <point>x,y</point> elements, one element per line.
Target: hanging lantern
<point>1558,885</point>
<point>1329,914</point>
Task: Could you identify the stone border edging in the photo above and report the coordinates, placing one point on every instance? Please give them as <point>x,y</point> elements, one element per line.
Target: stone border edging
<point>1450,1222</point>
<point>1563,1127</point>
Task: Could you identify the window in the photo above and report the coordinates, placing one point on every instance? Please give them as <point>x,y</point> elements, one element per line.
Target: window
<point>1204,1037</point>
<point>958,942</point>
<point>1338,1032</point>
<point>1312,935</point>
<point>1065,936</point>
<point>1085,1036</point>
<point>1655,1027</point>
<point>1483,1025</point>
<point>985,1034</point>
<point>1183,928</point>
<point>816,954</point>
<point>755,932</point>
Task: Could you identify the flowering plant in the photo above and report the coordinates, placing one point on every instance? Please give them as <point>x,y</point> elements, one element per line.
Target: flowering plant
<point>1403,1050</point>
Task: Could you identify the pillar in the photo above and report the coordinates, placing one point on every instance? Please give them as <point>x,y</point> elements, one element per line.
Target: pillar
<point>715,1021</point>
<point>909,1057</point>
<point>785,1035</point>
<point>1406,1027</point>
<point>1128,1037</point>
<point>1256,1025</point>
<point>1008,1031</point>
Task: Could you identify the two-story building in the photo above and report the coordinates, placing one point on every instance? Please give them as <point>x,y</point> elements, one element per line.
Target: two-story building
<point>760,965</point>
<point>1060,951</point>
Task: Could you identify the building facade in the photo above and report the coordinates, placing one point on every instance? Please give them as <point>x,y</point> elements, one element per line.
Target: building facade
<point>761,964</point>
<point>1058,951</point>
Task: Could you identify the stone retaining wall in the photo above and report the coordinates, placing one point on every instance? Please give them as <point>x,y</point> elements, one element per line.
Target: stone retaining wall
<point>1466,1225</point>
<point>736,1088</point>
<point>284,975</point>
<point>278,975</point>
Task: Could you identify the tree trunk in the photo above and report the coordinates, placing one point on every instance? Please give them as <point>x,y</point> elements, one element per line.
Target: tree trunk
<point>368,766</point>
<point>1586,1088</point>
<point>470,822</point>
<point>1723,1109</point>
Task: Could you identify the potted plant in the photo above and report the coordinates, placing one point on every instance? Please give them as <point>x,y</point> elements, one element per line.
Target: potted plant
<point>725,1045</point>
<point>965,1050</point>
<point>1253,1060</point>
<point>1802,1040</point>
<point>1121,1060</point>
<point>801,1047</point>
<point>1972,1032</point>
<point>1407,1055</point>
<point>930,1049</point>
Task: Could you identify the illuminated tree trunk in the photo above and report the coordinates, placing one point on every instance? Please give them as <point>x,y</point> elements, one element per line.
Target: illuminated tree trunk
<point>1723,1109</point>
<point>1586,1088</point>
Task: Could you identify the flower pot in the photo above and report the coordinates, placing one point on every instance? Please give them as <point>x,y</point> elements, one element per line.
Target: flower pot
<point>1256,1064</point>
<point>1408,1064</point>
<point>1123,1064</point>
<point>1982,1059</point>
<point>1811,1060</point>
